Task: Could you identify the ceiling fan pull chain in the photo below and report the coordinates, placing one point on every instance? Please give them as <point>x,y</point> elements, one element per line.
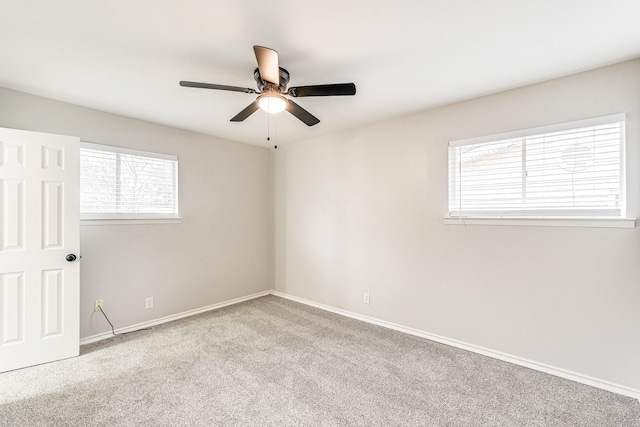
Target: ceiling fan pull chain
<point>268,127</point>
<point>275,134</point>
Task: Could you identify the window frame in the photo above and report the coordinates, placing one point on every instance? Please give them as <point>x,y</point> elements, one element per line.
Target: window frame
<point>124,218</point>
<point>543,217</point>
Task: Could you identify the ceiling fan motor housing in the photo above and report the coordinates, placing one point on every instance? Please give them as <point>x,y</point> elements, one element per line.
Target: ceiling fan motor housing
<point>262,85</point>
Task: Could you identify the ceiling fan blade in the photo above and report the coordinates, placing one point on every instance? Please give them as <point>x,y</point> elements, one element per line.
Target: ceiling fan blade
<point>251,108</point>
<point>218,87</point>
<point>306,117</point>
<point>338,89</point>
<point>268,64</point>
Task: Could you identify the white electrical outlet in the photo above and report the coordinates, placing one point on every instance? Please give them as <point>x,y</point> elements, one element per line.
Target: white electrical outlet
<point>365,298</point>
<point>148,303</point>
<point>97,305</point>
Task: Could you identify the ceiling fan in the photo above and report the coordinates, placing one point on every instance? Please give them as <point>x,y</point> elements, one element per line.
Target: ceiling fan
<point>272,83</point>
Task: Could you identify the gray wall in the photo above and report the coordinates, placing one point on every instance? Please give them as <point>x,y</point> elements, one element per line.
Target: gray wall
<point>220,251</point>
<point>362,211</point>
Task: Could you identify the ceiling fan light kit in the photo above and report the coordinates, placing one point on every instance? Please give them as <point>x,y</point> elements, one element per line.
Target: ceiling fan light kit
<point>272,104</point>
<point>272,81</point>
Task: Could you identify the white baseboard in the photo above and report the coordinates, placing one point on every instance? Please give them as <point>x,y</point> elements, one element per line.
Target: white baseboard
<point>150,323</point>
<point>562,373</point>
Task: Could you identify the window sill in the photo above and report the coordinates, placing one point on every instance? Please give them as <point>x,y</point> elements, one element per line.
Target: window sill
<point>130,221</point>
<point>545,222</point>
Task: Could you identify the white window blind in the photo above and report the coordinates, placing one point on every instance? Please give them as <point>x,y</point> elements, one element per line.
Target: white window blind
<point>570,170</point>
<point>121,183</point>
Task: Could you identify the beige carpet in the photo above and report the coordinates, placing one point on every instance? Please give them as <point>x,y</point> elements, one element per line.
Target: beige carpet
<point>273,362</point>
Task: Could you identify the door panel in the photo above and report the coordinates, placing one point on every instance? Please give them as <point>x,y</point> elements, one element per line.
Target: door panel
<point>39,226</point>
<point>52,215</point>
<point>12,214</point>
<point>52,303</point>
<point>12,308</point>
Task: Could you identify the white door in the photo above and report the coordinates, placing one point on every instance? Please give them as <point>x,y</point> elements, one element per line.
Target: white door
<point>39,227</point>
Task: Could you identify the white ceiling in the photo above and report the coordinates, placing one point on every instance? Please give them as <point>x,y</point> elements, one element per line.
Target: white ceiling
<point>127,57</point>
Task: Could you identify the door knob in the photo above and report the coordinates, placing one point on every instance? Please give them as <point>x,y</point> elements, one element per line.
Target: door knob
<point>71,257</point>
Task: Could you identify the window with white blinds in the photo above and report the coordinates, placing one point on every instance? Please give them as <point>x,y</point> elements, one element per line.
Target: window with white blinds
<point>122,183</point>
<point>569,170</point>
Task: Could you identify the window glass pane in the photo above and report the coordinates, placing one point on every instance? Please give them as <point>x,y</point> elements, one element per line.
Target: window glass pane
<point>97,181</point>
<point>570,172</point>
<point>146,185</point>
<point>122,184</point>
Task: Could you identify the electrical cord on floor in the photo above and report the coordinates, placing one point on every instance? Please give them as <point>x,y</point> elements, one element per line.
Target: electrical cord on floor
<point>111,324</point>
